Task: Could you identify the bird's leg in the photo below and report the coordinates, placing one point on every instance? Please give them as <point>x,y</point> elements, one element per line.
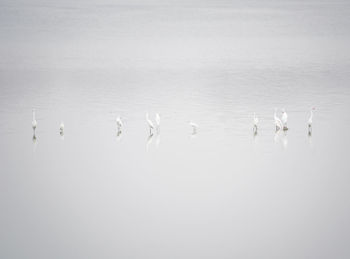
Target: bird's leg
<point>310,130</point>
<point>194,131</point>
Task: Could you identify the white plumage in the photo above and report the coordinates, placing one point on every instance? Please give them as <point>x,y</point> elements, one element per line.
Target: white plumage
<point>119,123</point>
<point>284,119</point>
<point>256,121</point>
<point>194,126</point>
<point>34,123</point>
<point>278,122</point>
<point>158,121</point>
<point>150,123</point>
<point>62,127</point>
<point>311,116</point>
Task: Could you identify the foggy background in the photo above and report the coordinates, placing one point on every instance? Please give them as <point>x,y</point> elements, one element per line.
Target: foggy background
<point>222,193</point>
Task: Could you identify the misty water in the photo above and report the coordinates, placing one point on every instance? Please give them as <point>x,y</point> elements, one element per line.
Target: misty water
<point>220,193</point>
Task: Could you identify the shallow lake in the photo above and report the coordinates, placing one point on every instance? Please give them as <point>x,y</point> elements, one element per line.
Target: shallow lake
<point>220,193</point>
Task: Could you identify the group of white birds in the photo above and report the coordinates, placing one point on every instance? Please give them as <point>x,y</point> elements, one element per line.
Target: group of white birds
<point>280,123</point>
<point>119,122</point>
<point>35,124</point>
<point>156,126</point>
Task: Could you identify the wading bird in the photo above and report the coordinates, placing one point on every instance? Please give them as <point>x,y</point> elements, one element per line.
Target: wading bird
<point>256,121</point>
<point>284,119</point>
<point>309,122</point>
<point>158,122</point>
<point>278,122</point>
<point>34,123</point>
<point>61,128</point>
<point>119,124</point>
<point>194,127</point>
<point>150,123</point>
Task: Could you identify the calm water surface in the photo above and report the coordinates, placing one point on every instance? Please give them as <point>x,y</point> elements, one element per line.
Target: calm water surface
<point>222,193</point>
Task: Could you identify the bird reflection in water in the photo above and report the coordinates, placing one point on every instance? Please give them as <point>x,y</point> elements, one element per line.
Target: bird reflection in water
<point>35,141</point>
<point>157,140</point>
<point>193,134</point>
<point>276,138</point>
<point>309,136</point>
<point>285,140</point>
<point>255,132</point>
<point>149,140</point>
<point>119,135</point>
<point>309,133</point>
<point>282,138</point>
<point>62,134</point>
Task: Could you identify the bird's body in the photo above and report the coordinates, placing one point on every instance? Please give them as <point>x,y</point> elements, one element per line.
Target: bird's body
<point>278,122</point>
<point>34,123</point>
<point>150,123</point>
<point>194,127</point>
<point>61,128</point>
<point>119,123</point>
<point>256,121</point>
<point>284,119</point>
<point>309,123</point>
<point>158,121</point>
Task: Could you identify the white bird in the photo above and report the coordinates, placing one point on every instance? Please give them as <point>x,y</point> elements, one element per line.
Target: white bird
<point>150,123</point>
<point>194,127</point>
<point>119,123</point>
<point>34,123</point>
<point>62,127</point>
<point>158,121</point>
<point>278,122</point>
<point>309,123</point>
<point>256,121</point>
<point>284,119</point>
